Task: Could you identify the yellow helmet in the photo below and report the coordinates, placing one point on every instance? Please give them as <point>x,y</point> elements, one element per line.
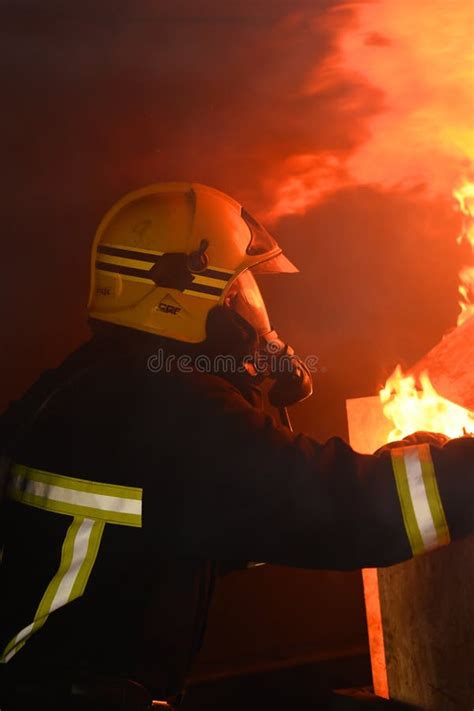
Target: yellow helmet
<point>165,255</point>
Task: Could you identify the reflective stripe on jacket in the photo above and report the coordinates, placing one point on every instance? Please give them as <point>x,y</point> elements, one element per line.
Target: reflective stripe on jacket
<point>91,505</point>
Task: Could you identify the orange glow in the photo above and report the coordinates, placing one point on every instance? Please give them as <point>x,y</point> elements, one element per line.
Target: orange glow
<point>419,57</point>
<point>413,409</point>
<point>465,197</point>
<point>373,608</point>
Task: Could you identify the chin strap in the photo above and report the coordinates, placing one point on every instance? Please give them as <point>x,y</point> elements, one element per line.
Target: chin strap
<point>285,418</point>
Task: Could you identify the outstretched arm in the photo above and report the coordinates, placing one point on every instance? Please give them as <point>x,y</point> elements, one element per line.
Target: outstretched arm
<point>258,492</point>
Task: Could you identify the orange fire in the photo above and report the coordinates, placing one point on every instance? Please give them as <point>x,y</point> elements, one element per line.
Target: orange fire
<point>414,409</point>
<point>420,55</point>
<point>465,197</point>
<point>419,58</point>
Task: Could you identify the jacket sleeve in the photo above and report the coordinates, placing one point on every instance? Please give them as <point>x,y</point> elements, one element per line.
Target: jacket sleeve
<point>252,490</point>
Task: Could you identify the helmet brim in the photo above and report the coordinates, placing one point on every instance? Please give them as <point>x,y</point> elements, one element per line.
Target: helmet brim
<point>279,264</point>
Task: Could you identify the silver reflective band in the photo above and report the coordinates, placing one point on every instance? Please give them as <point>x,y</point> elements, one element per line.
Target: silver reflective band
<point>422,509</point>
<point>111,503</point>
<point>424,517</point>
<point>101,502</point>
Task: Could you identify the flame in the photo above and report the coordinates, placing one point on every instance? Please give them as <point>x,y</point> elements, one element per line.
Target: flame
<point>421,55</point>
<point>465,197</point>
<point>417,58</point>
<point>413,409</point>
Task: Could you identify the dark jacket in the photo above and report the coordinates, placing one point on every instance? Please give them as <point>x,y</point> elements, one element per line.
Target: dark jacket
<point>221,482</point>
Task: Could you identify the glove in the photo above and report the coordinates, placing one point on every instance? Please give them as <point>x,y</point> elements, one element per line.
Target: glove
<point>433,438</point>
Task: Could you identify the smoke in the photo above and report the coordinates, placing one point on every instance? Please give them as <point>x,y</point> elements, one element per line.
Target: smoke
<point>105,98</point>
<point>419,59</point>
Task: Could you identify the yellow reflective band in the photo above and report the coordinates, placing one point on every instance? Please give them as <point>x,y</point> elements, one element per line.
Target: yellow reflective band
<point>210,281</point>
<point>222,270</point>
<point>128,277</point>
<point>409,516</point>
<point>128,248</point>
<point>79,552</point>
<point>110,503</point>
<point>422,510</point>
<point>124,261</point>
<point>212,297</point>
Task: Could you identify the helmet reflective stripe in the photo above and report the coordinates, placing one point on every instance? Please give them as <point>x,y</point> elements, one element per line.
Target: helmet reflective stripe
<point>211,278</point>
<point>136,264</point>
<point>113,253</point>
<point>127,253</point>
<point>422,510</point>
<point>205,294</point>
<point>92,505</point>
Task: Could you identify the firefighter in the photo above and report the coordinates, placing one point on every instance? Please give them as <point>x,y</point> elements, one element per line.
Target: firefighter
<point>145,463</point>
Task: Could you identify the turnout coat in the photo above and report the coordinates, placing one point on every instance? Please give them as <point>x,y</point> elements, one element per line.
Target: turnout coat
<point>130,487</point>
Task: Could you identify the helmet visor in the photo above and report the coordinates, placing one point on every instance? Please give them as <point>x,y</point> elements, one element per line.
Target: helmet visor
<point>262,243</point>
<point>245,298</point>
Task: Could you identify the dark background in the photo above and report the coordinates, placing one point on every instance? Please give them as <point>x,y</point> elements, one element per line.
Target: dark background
<point>99,98</point>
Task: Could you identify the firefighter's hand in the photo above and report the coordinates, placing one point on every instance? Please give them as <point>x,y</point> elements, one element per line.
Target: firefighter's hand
<point>434,438</point>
